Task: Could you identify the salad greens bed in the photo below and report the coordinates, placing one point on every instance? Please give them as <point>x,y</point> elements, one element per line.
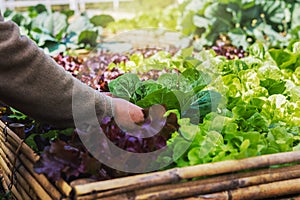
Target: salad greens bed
<point>248,106</point>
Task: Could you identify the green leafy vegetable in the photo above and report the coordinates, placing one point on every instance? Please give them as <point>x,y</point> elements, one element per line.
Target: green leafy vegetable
<point>101,20</point>
<point>124,86</point>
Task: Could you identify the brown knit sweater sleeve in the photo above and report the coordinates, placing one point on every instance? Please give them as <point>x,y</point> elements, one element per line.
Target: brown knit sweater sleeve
<point>31,82</point>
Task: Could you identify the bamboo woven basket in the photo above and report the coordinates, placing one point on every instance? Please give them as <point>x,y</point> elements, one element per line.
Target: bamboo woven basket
<point>250,178</point>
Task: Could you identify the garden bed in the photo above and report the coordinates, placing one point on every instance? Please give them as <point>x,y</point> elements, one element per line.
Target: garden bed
<point>258,177</point>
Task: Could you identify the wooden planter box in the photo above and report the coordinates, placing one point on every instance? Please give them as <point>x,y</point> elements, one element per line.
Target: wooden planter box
<point>250,178</point>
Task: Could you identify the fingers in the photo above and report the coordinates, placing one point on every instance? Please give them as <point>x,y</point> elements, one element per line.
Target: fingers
<point>126,114</point>
<point>136,114</point>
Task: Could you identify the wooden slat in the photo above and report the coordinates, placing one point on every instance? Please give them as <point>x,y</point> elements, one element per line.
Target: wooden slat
<point>203,186</point>
<point>270,190</point>
<point>20,184</point>
<point>238,165</point>
<point>13,189</point>
<point>20,178</point>
<point>64,187</point>
<point>191,190</point>
<point>42,179</point>
<point>176,174</point>
<point>39,190</point>
<point>28,157</point>
<point>15,140</point>
<point>228,177</point>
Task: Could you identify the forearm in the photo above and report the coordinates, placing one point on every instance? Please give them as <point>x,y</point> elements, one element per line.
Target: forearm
<point>34,84</point>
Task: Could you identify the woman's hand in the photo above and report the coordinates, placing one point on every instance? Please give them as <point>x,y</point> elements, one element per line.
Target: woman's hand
<point>126,114</point>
